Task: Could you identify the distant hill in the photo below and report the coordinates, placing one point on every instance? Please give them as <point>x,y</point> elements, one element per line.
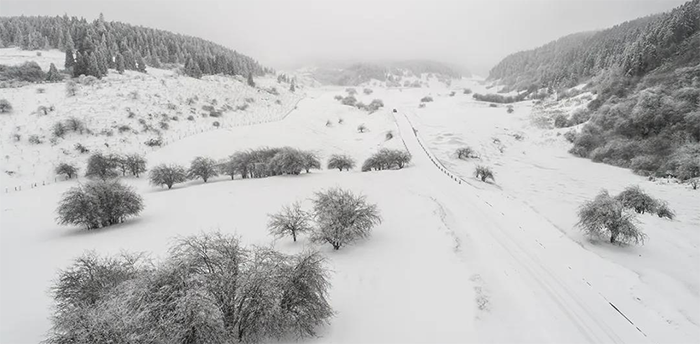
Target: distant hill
<point>390,72</point>
<point>113,45</point>
<point>646,75</point>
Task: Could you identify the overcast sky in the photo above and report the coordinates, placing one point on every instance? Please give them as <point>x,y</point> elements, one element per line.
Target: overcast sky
<point>282,33</point>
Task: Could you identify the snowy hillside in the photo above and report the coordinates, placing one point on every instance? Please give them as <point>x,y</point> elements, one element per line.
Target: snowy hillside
<point>120,113</point>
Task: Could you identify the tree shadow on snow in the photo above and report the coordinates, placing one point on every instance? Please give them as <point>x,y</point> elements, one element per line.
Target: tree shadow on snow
<point>82,232</point>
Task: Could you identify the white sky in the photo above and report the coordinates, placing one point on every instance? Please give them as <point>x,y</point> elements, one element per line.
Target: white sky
<point>283,33</point>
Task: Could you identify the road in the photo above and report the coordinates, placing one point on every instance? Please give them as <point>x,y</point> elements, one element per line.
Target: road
<point>536,276</point>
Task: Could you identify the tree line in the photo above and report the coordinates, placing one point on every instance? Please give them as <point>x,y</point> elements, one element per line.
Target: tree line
<point>93,47</point>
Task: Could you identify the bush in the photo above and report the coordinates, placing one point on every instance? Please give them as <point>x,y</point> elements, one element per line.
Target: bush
<point>291,220</point>
<point>367,91</point>
<point>29,71</point>
<point>216,124</point>
<point>561,121</point>
<point>101,166</point>
<point>311,161</point>
<point>361,128</point>
<point>606,216</point>
<point>98,204</point>
<point>190,118</point>
<point>75,125</point>
<point>510,109</point>
<point>349,100</point>
<point>167,175</point>
<point>71,88</point>
<point>426,99</point>
<point>389,135</point>
<point>164,125</point>
<point>202,167</point>
<point>662,210</point>
<point>287,161</point>
<point>467,91</point>
<point>694,183</point>
<point>362,106</point>
<point>634,198</point>
<point>35,140</point>
<point>341,162</point>
<point>68,169</point>
<point>466,153</point>
<point>135,164</point>
<point>375,105</point>
<point>386,159</point>
<point>5,106</point>
<point>570,136</point>
<point>209,289</point>
<point>81,149</point>
<point>484,173</point>
<point>579,116</point>
<point>351,91</point>
<point>342,217</point>
<point>338,97</point>
<point>154,142</point>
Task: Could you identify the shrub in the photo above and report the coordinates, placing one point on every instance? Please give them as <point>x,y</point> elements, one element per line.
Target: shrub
<point>35,140</point>
<point>349,100</point>
<point>375,105</point>
<point>154,142</point>
<point>124,129</point>
<point>493,105</point>
<point>662,210</point>
<point>135,164</point>
<point>351,91</point>
<point>342,217</point>
<point>341,162</point>
<point>190,118</point>
<point>694,183</point>
<point>40,90</point>
<point>28,71</point>
<point>81,149</point>
<point>362,106</point>
<point>367,91</point>
<point>291,220</point>
<point>466,153</point>
<point>510,109</point>
<point>421,105</point>
<point>484,173</point>
<point>389,135</point>
<point>634,198</point>
<point>570,136</point>
<point>386,159</point>
<point>579,116</point>
<point>561,121</point>
<point>338,97</point>
<point>329,123</point>
<point>101,166</point>
<point>167,175</point>
<point>311,161</point>
<point>606,216</point>
<point>209,289</point>
<point>361,128</point>
<point>426,99</point>
<point>71,88</point>
<point>452,94</point>
<point>202,167</point>
<point>75,125</point>
<point>5,106</point>
<point>68,169</point>
<point>164,125</point>
<point>98,204</point>
<point>467,91</point>
<point>287,161</point>
<point>216,124</point>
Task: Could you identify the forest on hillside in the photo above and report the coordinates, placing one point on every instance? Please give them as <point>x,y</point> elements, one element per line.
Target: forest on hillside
<point>92,47</point>
<point>646,75</point>
<point>390,72</point>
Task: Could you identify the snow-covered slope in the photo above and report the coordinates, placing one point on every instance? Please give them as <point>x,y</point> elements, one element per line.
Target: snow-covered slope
<point>122,112</point>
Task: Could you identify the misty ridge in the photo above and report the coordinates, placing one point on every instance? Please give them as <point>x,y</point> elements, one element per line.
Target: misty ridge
<point>365,172</point>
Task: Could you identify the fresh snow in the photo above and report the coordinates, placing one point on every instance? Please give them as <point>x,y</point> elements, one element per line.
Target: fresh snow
<point>454,260</point>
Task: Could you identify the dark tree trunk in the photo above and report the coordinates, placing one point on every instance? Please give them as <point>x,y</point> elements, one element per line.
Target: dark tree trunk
<point>294,235</point>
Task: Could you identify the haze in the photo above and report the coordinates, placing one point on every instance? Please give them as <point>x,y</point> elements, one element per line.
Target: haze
<point>286,34</point>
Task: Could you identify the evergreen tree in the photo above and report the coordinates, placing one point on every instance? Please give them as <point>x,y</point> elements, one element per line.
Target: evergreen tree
<point>70,61</point>
<point>251,83</point>
<point>101,62</point>
<point>129,61</point>
<point>80,65</point>
<point>292,87</point>
<point>119,61</point>
<point>68,41</point>
<point>92,66</point>
<point>140,63</point>
<point>192,69</point>
<point>153,61</point>
<point>53,75</point>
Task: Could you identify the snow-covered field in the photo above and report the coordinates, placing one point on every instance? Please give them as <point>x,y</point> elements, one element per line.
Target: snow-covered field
<point>451,262</point>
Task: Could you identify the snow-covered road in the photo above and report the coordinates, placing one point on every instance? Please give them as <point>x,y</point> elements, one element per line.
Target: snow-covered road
<point>543,286</point>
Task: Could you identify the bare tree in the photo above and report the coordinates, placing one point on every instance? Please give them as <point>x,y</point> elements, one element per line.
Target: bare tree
<point>202,167</point>
<point>68,169</point>
<point>291,219</point>
<point>98,204</point>
<point>168,175</point>
<point>341,162</point>
<point>342,217</point>
<point>606,216</point>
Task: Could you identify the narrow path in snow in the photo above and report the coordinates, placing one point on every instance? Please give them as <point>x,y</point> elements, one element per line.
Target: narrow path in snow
<point>533,267</point>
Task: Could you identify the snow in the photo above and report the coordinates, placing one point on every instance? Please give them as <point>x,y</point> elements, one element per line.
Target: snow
<point>454,260</point>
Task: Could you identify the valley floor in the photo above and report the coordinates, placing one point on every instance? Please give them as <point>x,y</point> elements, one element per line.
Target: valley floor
<point>454,260</point>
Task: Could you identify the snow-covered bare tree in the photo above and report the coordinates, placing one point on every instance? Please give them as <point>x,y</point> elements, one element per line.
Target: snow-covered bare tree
<point>68,169</point>
<point>341,162</point>
<point>168,175</point>
<point>202,167</point>
<point>291,220</point>
<point>136,164</point>
<point>98,204</point>
<point>484,173</point>
<point>101,166</point>
<point>342,217</point>
<point>606,216</point>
